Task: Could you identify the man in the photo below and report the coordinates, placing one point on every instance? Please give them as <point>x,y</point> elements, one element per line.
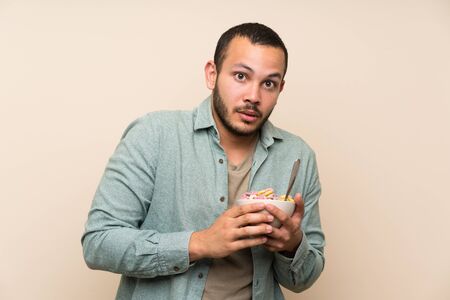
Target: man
<point>163,214</point>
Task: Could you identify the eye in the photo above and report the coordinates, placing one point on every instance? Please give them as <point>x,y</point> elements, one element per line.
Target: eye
<point>269,84</point>
<point>239,76</point>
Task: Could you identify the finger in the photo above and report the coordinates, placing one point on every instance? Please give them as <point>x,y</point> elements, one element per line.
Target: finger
<point>284,219</point>
<point>299,211</point>
<point>299,205</point>
<point>280,237</point>
<point>240,210</point>
<point>252,231</point>
<point>277,234</point>
<point>254,218</point>
<point>247,243</point>
<point>273,245</point>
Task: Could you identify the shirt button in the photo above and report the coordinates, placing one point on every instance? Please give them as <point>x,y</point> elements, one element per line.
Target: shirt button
<point>200,275</point>
<point>221,161</point>
<point>176,269</point>
<point>222,199</point>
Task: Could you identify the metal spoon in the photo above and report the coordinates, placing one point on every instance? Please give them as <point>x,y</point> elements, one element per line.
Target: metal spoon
<point>294,172</point>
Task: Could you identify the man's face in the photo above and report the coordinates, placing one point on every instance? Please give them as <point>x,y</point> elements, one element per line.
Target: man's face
<point>247,87</point>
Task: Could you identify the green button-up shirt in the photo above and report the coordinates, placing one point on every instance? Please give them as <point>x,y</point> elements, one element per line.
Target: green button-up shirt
<point>165,180</point>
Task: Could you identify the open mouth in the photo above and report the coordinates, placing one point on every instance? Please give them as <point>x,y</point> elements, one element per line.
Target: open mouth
<point>249,115</point>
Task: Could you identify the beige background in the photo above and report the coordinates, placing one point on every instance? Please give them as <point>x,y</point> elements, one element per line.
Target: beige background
<point>368,87</point>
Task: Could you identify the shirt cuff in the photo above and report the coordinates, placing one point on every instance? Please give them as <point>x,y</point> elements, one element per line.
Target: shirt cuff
<point>299,257</point>
<point>173,252</point>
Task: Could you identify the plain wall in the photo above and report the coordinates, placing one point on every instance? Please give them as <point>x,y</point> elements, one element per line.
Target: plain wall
<point>368,87</point>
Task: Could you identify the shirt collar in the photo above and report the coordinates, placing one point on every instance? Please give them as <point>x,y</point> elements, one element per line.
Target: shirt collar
<point>203,115</point>
<point>203,119</point>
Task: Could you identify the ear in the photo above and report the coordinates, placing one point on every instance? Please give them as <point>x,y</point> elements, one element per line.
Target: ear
<point>210,74</point>
<point>282,85</point>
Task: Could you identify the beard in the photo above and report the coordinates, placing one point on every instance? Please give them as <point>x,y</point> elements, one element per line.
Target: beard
<point>224,115</point>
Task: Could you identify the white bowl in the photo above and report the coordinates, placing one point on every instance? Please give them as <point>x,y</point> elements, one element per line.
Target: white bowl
<point>287,207</point>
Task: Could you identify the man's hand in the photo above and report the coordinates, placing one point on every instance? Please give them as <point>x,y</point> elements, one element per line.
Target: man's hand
<point>288,237</point>
<point>237,228</point>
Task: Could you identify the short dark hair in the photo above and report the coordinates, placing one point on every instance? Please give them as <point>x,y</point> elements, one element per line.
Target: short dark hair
<point>258,34</point>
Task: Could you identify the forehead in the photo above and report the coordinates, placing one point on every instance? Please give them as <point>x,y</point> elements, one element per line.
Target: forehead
<point>262,58</point>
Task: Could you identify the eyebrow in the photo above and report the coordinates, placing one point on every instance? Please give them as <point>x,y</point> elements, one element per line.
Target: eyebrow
<point>278,75</point>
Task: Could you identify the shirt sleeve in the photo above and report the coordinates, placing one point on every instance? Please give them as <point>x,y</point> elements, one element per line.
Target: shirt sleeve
<point>113,240</point>
<point>301,271</point>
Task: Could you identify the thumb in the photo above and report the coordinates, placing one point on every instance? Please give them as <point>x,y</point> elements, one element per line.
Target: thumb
<point>299,211</point>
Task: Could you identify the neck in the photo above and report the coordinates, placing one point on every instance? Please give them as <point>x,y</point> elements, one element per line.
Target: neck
<point>236,147</point>
<point>231,141</point>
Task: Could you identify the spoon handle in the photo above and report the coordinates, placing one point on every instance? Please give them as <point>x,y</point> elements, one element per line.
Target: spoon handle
<point>294,172</point>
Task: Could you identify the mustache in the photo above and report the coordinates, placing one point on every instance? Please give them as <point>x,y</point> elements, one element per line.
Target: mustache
<point>249,106</point>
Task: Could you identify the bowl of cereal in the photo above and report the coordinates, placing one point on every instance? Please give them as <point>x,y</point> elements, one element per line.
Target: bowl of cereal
<point>267,196</point>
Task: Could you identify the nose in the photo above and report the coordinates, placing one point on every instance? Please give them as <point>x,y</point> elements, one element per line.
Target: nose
<point>254,93</point>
